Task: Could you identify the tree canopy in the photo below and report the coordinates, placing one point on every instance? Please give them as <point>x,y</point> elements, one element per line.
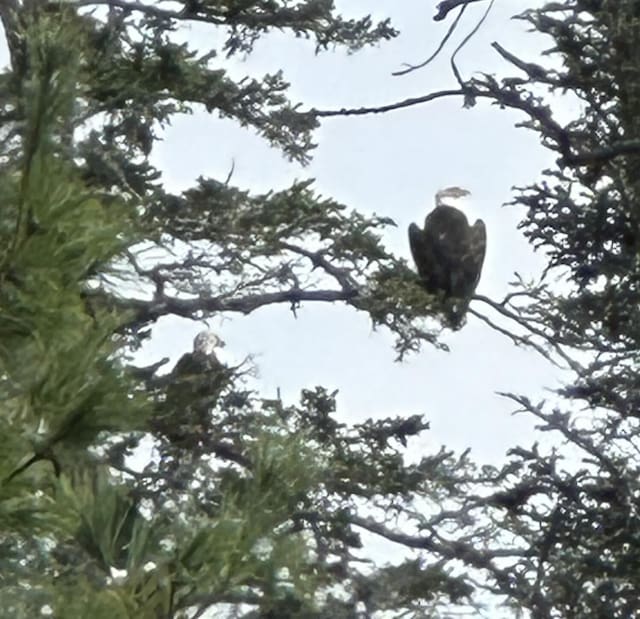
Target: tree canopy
<point>254,506</point>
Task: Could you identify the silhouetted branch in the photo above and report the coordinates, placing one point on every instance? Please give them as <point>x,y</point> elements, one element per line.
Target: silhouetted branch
<point>454,550</point>
<point>446,37</point>
<point>533,71</point>
<point>317,258</point>
<point>361,111</point>
<point>153,11</point>
<point>518,340</point>
<point>556,421</point>
<point>147,311</point>
<point>464,41</point>
<point>526,324</point>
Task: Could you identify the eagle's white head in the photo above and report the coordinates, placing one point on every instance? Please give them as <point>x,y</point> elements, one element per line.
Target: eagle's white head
<point>451,192</point>
<point>206,342</point>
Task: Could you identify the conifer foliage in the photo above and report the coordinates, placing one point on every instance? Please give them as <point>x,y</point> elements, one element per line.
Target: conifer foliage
<point>235,507</point>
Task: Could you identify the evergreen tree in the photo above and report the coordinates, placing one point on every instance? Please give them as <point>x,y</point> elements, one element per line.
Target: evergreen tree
<point>236,509</point>
<point>78,539</point>
<point>578,536</point>
<point>561,537</point>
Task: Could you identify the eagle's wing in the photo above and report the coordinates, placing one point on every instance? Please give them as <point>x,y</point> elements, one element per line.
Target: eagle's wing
<point>421,252</point>
<point>467,275</point>
<point>473,257</point>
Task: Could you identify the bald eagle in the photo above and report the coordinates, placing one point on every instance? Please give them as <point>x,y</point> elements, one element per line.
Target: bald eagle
<point>193,388</point>
<point>449,253</point>
<point>199,372</point>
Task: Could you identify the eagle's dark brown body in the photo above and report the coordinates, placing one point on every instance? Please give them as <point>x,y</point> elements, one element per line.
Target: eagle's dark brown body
<point>449,254</point>
<point>194,387</point>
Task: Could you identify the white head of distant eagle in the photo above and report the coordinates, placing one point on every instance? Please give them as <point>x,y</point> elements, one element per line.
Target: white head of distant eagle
<point>206,342</point>
<point>203,358</point>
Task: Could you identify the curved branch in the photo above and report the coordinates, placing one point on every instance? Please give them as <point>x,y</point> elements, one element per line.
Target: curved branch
<point>361,111</point>
<point>464,41</point>
<point>533,71</point>
<point>518,340</point>
<point>574,436</point>
<point>152,11</point>
<point>446,37</point>
<point>452,550</point>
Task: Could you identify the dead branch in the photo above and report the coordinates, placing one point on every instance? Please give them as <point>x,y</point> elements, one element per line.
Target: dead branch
<point>361,111</point>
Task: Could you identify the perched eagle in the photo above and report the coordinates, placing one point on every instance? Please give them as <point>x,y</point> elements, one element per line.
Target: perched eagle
<point>193,388</point>
<point>449,253</point>
<point>195,371</point>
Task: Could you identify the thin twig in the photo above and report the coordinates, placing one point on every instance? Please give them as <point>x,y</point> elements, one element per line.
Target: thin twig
<point>576,367</point>
<point>446,37</point>
<point>464,41</point>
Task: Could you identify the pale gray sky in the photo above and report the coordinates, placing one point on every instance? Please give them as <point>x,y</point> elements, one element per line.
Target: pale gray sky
<point>391,164</point>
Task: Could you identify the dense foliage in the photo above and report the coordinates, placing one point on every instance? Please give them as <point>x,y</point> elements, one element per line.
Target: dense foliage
<point>254,506</point>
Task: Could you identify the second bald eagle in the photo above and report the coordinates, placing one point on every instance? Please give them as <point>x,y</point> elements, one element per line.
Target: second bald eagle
<point>449,253</point>
<point>192,391</point>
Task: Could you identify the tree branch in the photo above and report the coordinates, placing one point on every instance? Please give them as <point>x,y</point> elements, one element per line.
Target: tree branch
<point>361,111</point>
<point>526,324</point>
<point>153,11</point>
<point>423,64</point>
<point>147,311</point>
<point>341,275</point>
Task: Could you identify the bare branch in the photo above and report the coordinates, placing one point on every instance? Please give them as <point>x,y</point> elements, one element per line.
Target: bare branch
<point>452,550</point>
<point>464,41</point>
<point>446,37</point>
<point>468,552</point>
<point>518,340</point>
<point>556,422</point>
<point>526,324</point>
<point>361,111</point>
<point>533,71</point>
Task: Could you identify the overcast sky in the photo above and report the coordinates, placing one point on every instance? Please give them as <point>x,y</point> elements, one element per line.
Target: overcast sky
<point>392,165</point>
